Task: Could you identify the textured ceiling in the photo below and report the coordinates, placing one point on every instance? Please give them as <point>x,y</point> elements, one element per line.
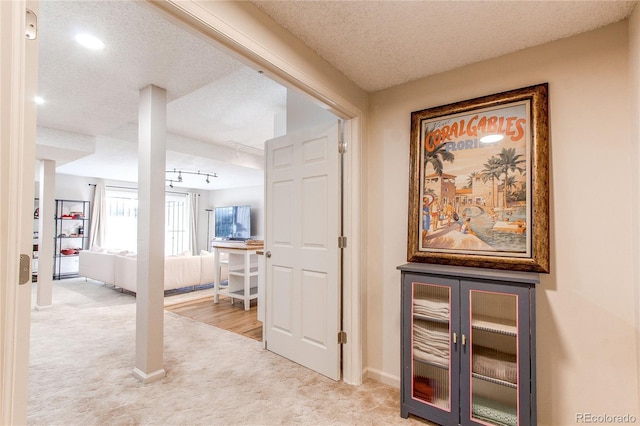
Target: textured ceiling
<point>220,111</point>
<point>379,44</point>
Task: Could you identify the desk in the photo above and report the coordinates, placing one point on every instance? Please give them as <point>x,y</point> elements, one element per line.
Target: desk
<point>243,271</point>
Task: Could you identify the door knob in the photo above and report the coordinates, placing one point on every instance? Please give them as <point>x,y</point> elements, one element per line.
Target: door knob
<point>268,254</point>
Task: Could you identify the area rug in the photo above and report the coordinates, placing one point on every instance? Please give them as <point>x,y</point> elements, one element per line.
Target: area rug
<point>188,294</point>
<point>83,354</point>
<point>171,297</point>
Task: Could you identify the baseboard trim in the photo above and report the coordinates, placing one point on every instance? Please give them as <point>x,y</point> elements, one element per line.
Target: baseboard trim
<point>381,376</point>
<point>43,307</point>
<point>148,378</point>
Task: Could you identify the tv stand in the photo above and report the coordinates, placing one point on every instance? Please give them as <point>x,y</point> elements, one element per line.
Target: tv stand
<point>243,271</point>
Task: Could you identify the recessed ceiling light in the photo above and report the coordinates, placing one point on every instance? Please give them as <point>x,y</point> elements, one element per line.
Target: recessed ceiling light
<point>89,41</point>
<point>38,100</point>
<point>491,138</point>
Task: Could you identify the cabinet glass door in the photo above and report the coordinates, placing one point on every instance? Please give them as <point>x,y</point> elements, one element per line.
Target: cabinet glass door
<point>431,343</point>
<point>493,359</point>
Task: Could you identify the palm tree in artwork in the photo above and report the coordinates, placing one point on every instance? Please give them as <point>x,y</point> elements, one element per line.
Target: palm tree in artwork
<point>491,171</point>
<point>437,157</point>
<point>520,193</point>
<point>430,191</point>
<point>509,183</point>
<point>509,161</point>
<point>471,178</point>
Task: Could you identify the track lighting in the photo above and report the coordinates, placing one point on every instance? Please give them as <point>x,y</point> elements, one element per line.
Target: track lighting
<point>175,175</point>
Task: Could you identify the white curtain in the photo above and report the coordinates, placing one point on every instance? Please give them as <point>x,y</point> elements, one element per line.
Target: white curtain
<point>98,216</point>
<point>193,222</point>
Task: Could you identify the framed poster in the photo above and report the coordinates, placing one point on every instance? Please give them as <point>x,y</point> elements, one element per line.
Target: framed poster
<point>479,182</point>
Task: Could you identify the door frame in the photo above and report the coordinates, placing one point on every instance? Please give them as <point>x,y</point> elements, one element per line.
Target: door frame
<point>18,81</point>
<point>247,34</point>
<point>213,19</point>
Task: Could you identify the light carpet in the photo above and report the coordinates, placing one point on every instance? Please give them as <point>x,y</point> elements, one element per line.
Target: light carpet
<point>83,354</point>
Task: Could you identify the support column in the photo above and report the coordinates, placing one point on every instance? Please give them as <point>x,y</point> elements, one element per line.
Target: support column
<point>152,129</point>
<point>46,237</point>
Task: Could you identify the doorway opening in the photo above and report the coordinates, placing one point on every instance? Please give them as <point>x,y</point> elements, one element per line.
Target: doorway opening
<point>196,105</point>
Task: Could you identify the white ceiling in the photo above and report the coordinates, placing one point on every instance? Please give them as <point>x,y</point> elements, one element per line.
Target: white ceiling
<point>379,44</point>
<point>220,110</point>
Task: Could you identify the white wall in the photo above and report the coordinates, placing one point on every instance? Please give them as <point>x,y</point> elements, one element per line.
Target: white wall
<point>586,307</point>
<point>73,187</point>
<point>70,187</point>
<point>303,113</point>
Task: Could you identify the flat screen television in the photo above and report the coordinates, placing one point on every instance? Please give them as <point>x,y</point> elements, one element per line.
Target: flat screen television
<point>233,223</point>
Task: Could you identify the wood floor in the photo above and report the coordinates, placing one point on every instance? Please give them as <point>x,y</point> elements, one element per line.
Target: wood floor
<point>223,315</point>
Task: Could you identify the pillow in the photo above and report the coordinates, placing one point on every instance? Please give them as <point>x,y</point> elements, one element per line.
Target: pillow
<point>185,253</point>
<point>131,254</point>
<point>97,249</point>
<point>205,253</point>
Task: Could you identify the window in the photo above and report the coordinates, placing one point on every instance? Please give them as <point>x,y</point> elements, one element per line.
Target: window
<point>121,224</point>
<point>176,224</point>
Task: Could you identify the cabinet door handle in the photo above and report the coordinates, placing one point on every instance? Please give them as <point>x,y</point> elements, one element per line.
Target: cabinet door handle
<point>455,339</point>
<point>464,340</point>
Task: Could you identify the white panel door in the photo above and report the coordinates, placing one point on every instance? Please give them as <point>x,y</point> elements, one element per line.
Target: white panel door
<point>302,225</point>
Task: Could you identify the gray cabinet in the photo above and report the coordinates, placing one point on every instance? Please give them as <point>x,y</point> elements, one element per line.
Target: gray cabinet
<point>468,345</point>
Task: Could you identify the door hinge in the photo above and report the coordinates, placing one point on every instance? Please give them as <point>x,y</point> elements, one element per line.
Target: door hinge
<point>342,241</point>
<point>31,26</point>
<point>342,147</point>
<point>342,337</point>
